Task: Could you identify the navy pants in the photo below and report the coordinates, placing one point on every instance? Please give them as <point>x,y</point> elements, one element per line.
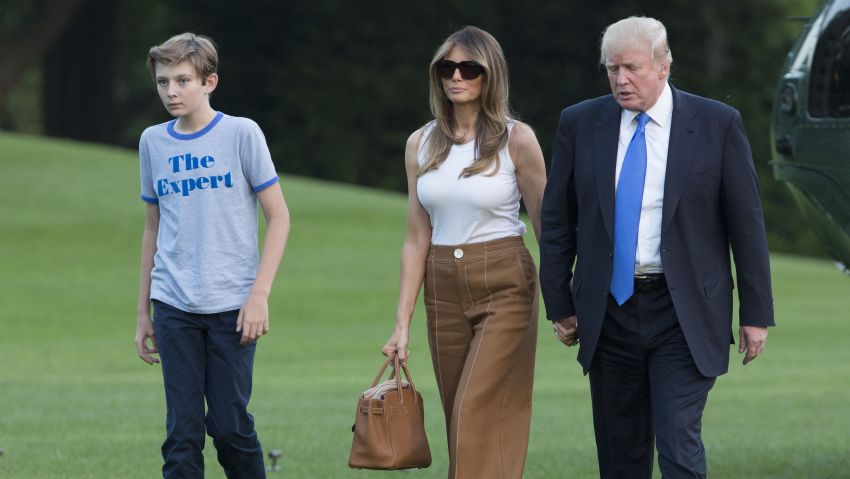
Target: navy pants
<point>645,387</point>
<point>202,359</point>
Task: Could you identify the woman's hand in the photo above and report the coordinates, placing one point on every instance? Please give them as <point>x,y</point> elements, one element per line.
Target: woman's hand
<point>566,330</point>
<point>398,344</point>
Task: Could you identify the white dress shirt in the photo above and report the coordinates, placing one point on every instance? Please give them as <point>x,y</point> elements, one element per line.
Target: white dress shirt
<point>648,252</point>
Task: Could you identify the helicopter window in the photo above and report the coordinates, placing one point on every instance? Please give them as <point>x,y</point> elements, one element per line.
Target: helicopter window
<point>829,94</point>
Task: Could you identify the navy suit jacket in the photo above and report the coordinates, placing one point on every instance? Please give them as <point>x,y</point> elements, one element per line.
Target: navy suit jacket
<point>711,203</point>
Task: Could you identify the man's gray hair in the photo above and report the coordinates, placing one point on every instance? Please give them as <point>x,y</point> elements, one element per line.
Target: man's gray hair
<point>635,34</point>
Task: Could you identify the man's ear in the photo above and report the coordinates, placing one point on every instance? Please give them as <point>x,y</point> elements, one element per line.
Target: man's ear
<point>664,72</point>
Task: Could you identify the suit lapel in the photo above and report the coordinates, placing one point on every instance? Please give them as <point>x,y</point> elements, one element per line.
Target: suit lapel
<point>684,132</point>
<point>606,135</point>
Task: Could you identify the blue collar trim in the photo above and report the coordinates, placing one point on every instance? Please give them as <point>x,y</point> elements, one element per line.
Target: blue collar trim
<point>190,136</point>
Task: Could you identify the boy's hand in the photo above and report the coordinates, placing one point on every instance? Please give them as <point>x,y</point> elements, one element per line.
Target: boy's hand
<point>145,333</point>
<point>253,319</point>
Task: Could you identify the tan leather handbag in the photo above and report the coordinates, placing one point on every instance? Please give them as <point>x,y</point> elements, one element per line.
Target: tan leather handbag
<point>389,427</point>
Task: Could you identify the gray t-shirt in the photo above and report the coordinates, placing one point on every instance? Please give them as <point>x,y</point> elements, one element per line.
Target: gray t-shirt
<point>206,184</point>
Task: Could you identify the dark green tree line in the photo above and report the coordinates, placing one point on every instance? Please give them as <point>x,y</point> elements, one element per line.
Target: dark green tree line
<point>338,86</point>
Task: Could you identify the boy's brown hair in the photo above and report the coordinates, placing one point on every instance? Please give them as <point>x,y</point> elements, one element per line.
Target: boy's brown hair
<point>198,50</point>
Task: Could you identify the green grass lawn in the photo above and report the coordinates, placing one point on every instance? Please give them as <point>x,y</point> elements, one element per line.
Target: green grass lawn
<point>76,402</point>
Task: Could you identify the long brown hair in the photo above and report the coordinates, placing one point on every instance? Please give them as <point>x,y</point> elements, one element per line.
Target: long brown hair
<point>491,131</point>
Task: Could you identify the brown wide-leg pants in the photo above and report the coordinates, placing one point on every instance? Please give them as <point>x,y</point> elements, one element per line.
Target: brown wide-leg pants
<point>481,302</point>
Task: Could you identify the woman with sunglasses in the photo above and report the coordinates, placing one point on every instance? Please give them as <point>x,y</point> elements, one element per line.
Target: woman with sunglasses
<point>467,170</point>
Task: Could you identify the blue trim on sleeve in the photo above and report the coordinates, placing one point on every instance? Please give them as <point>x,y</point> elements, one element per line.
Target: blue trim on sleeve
<point>265,185</point>
<point>203,131</point>
<point>152,201</point>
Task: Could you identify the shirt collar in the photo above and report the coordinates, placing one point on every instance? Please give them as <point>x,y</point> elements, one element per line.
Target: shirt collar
<point>661,111</point>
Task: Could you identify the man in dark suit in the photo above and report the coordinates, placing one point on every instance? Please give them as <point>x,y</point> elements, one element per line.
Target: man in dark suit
<point>649,187</point>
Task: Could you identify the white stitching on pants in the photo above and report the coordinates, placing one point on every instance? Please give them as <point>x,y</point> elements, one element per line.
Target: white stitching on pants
<point>436,330</point>
<point>466,277</point>
<point>472,367</point>
<point>524,280</point>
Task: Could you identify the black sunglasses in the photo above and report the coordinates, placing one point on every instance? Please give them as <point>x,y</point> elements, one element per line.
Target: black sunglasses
<point>469,70</point>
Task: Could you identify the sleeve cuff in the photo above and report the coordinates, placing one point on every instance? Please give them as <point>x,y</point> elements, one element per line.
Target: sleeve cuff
<point>265,185</point>
<point>561,314</point>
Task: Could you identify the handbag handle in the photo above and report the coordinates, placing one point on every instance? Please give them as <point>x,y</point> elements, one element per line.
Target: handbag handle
<point>393,359</point>
<point>406,374</point>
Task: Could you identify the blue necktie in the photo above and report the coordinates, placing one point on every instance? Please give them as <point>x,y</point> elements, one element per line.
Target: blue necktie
<point>627,213</point>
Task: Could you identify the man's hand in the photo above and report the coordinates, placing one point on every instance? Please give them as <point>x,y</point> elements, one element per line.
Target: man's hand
<point>253,319</point>
<point>145,334</point>
<point>752,340</point>
<point>566,330</point>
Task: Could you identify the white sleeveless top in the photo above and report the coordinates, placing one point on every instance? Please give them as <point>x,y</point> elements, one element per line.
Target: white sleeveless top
<point>469,209</point>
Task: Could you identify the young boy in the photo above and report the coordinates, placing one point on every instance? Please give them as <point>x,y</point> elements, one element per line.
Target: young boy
<point>201,176</point>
